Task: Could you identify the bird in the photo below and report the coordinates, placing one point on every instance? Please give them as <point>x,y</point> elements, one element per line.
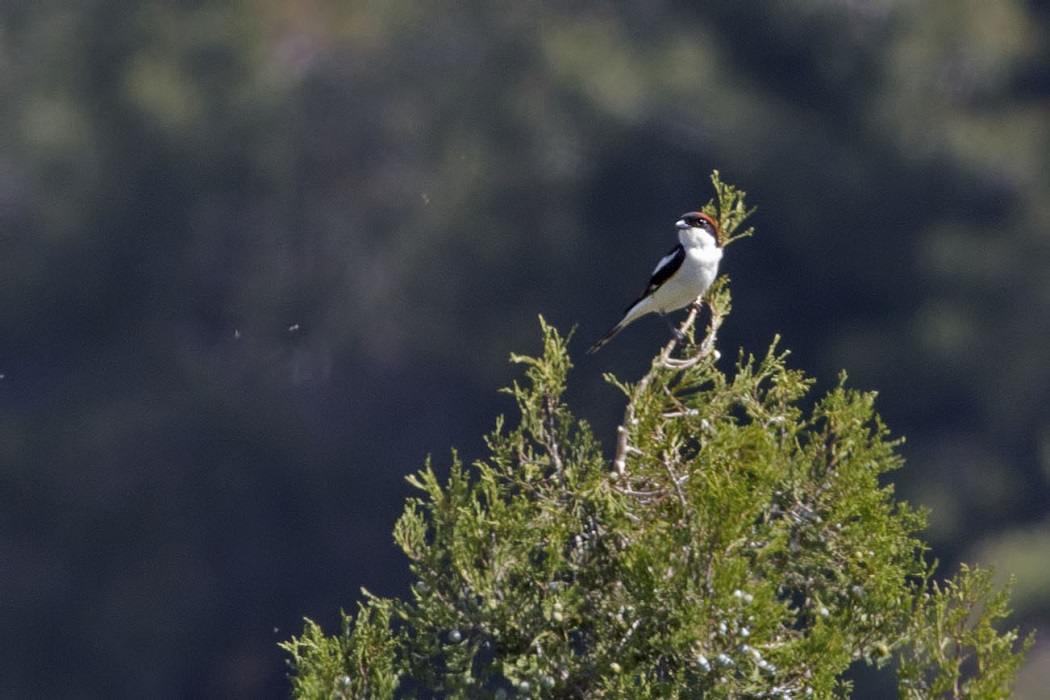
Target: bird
<point>680,277</point>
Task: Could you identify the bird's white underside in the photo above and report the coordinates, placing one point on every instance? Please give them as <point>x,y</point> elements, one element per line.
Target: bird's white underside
<point>697,273</point>
<point>683,286</point>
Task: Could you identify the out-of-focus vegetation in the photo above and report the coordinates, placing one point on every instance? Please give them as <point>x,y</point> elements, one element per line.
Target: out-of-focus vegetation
<point>258,258</point>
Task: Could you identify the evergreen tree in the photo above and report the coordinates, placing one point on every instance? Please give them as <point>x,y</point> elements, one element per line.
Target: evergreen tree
<point>739,545</point>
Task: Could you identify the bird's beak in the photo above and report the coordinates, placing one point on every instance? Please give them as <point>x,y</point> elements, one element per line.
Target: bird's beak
<point>681,224</point>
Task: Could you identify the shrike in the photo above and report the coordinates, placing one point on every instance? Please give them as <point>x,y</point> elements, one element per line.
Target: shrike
<point>681,276</point>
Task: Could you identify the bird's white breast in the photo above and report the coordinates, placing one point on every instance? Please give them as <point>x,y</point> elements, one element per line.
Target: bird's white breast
<point>697,273</point>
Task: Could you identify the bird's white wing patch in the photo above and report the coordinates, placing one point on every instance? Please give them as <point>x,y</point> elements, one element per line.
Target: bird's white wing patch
<point>665,269</point>
<point>665,261</point>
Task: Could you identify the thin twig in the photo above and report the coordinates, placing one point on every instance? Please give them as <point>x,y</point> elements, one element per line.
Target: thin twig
<point>656,493</point>
<point>627,635</point>
<point>705,349</point>
<point>620,461</point>
<point>675,480</point>
<point>690,319</point>
<point>552,441</point>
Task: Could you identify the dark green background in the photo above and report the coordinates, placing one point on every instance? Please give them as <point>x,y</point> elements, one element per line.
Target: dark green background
<point>257,259</point>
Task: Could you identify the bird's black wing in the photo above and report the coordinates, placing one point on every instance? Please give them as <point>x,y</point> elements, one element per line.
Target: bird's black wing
<point>667,266</point>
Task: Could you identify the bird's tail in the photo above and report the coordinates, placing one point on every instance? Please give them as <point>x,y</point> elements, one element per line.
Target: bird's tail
<point>606,338</point>
<point>632,314</point>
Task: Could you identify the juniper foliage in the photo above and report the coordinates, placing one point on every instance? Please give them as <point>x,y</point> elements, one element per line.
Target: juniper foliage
<point>736,546</point>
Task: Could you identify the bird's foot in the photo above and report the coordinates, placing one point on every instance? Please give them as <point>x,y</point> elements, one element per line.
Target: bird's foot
<point>679,336</point>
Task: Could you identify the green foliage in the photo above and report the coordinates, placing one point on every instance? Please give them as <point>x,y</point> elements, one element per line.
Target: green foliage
<point>359,663</point>
<point>952,628</point>
<point>739,545</point>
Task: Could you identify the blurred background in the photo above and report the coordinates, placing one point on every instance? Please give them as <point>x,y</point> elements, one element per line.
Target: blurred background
<point>258,259</point>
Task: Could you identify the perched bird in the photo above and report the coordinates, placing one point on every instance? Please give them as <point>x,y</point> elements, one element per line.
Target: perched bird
<point>681,276</point>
